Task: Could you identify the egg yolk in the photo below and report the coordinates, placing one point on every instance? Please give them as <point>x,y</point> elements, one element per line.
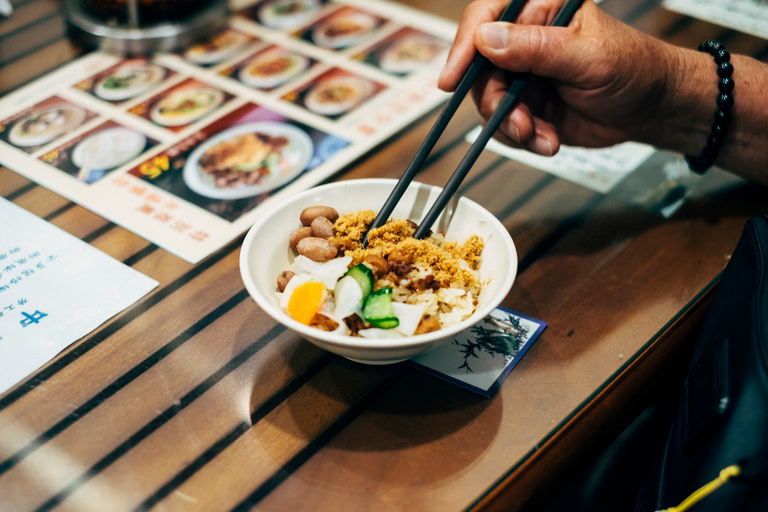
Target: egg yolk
<point>306,300</point>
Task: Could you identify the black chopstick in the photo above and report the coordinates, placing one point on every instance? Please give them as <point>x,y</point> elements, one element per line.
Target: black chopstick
<point>509,14</point>
<point>562,19</point>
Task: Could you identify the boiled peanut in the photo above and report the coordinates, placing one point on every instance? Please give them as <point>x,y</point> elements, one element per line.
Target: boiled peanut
<point>312,212</point>
<point>283,278</point>
<point>317,249</point>
<point>297,234</point>
<point>379,265</point>
<point>322,228</point>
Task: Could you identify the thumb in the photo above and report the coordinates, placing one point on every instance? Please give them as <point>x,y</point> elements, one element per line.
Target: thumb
<point>550,52</point>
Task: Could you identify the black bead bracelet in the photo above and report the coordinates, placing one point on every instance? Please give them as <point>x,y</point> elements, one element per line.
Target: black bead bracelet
<point>716,139</point>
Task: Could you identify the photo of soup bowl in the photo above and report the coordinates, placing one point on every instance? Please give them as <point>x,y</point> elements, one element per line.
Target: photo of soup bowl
<point>265,253</point>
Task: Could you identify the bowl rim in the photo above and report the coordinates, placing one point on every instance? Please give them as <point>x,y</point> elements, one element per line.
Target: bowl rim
<point>326,337</point>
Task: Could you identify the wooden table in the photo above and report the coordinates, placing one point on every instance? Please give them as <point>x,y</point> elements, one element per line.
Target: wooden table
<point>194,399</point>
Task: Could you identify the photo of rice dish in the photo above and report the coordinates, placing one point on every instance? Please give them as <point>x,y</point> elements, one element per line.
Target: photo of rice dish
<point>272,68</point>
<point>410,54</point>
<point>129,80</point>
<point>396,286</point>
<point>46,125</point>
<point>335,96</point>
<point>244,159</point>
<point>247,160</point>
<point>287,13</point>
<point>186,105</point>
<point>343,30</point>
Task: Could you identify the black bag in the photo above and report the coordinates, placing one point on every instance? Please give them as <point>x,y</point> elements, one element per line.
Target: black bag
<point>721,417</point>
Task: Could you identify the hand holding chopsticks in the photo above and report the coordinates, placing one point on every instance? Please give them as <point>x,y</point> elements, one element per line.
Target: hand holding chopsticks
<point>562,19</point>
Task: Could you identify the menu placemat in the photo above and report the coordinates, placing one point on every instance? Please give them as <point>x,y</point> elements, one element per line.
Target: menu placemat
<point>187,149</point>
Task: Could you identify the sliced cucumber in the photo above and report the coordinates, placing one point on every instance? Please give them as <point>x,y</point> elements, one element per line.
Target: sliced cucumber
<point>364,277</point>
<point>378,311</point>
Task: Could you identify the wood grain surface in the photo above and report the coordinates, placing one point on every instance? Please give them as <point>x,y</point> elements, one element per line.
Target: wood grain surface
<point>194,399</point>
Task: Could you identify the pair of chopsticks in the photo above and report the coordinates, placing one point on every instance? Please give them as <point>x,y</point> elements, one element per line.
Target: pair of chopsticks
<point>562,19</point>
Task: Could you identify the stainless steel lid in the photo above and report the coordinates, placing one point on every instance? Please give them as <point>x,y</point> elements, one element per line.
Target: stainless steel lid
<point>127,36</point>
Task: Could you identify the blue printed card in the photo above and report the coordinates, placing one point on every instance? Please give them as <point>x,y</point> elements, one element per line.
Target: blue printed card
<point>481,357</point>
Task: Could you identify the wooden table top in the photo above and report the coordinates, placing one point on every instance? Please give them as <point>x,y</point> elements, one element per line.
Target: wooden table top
<point>194,399</point>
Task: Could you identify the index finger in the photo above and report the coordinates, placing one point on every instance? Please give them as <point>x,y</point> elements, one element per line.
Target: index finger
<point>463,49</point>
<point>476,14</point>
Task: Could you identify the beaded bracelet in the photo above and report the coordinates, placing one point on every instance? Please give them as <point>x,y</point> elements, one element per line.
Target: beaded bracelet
<point>704,161</point>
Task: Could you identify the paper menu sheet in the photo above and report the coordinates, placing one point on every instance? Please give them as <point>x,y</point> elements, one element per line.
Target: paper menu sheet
<point>187,150</point>
<point>54,289</point>
<point>748,16</point>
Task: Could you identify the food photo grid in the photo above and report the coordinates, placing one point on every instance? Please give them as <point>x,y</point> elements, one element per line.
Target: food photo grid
<point>186,149</point>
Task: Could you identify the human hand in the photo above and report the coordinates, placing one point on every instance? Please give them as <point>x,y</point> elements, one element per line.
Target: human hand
<point>599,83</point>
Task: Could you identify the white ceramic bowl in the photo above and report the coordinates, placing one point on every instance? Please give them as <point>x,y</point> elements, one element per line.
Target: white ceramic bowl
<point>265,253</point>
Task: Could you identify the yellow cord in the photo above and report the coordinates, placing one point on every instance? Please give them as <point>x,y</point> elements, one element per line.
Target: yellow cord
<point>706,490</point>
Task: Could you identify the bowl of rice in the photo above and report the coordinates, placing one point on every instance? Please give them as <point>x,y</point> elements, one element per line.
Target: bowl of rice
<point>452,279</point>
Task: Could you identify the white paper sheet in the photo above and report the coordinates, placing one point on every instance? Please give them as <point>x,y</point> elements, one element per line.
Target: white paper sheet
<point>54,289</point>
<point>597,169</point>
<point>748,16</point>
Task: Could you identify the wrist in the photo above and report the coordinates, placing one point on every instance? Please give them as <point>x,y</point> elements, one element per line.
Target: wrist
<point>683,118</point>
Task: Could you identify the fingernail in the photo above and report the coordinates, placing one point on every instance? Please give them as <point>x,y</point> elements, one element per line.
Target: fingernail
<point>541,146</point>
<point>442,72</point>
<point>494,36</point>
<point>515,133</point>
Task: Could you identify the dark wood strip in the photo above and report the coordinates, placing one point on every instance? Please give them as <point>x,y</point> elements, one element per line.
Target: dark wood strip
<point>163,417</point>
<point>27,14</point>
<point>121,382</point>
<point>546,180</point>
<point>46,59</point>
<point>137,257</point>
<point>99,232</point>
<point>319,442</point>
<point>218,447</point>
<point>58,212</point>
<point>477,178</point>
<point>28,40</point>
<point>20,192</point>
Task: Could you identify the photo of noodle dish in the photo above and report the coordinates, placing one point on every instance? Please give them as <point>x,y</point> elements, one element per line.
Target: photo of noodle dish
<point>247,160</point>
<point>338,95</point>
<point>411,54</point>
<point>185,105</point>
<point>129,80</point>
<point>45,125</point>
<point>272,68</point>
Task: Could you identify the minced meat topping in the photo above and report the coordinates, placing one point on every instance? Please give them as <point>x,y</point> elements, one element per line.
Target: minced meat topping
<point>394,241</point>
